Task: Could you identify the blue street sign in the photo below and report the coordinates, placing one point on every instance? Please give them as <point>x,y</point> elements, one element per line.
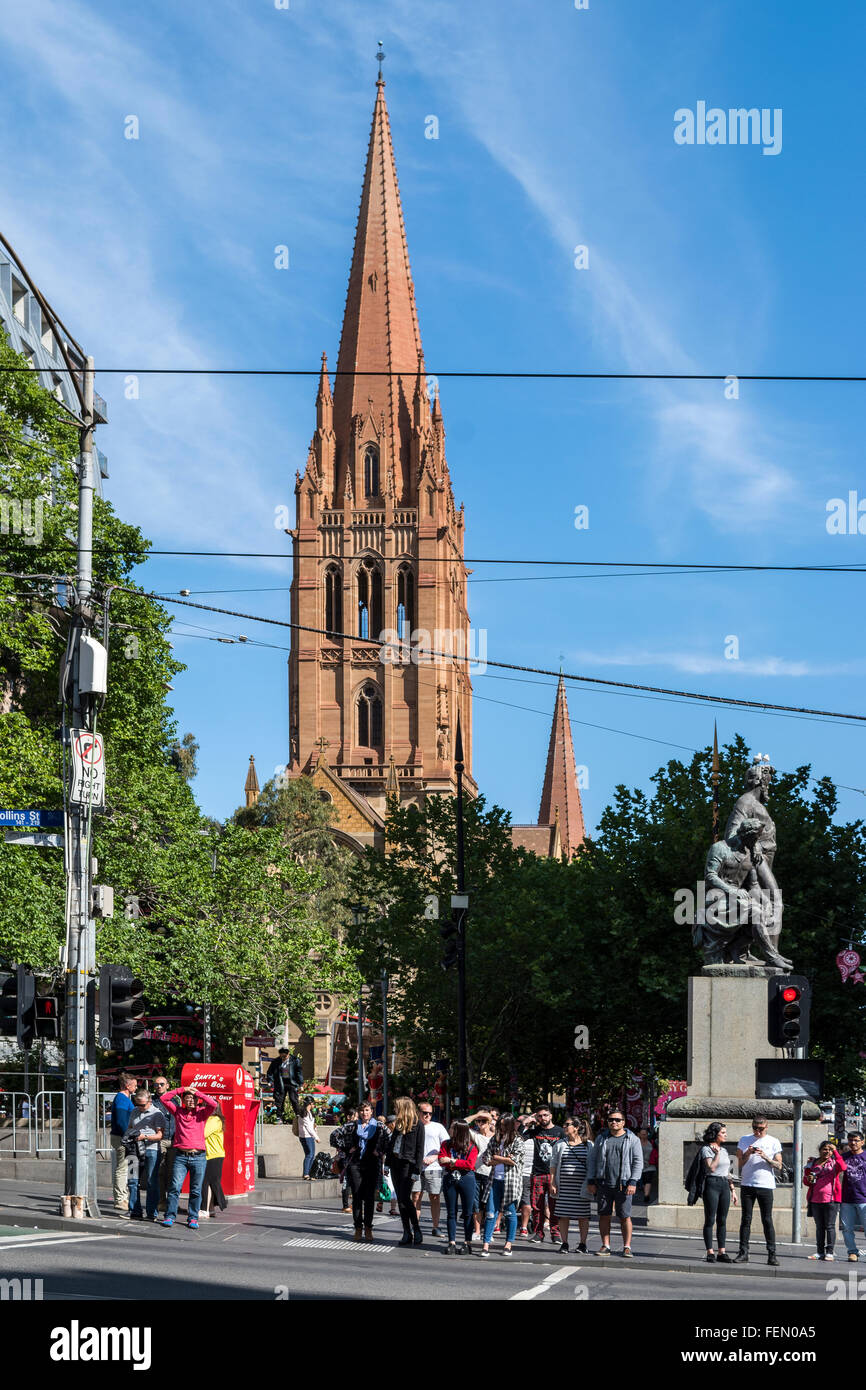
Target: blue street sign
<point>32,820</point>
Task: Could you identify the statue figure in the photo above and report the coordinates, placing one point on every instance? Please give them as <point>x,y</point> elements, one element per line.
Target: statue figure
<point>753,805</point>
<point>740,906</point>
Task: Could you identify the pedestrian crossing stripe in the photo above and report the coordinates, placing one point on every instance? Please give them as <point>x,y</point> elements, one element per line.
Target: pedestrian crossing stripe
<point>320,1244</point>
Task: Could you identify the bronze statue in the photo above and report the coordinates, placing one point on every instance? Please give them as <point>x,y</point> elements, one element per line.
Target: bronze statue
<point>753,805</point>
<point>741,906</point>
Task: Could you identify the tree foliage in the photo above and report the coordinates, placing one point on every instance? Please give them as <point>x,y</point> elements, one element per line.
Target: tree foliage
<point>245,936</point>
<point>595,941</point>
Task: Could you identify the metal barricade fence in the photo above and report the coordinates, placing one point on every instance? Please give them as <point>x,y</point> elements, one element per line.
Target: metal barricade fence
<point>16,1124</point>
<point>103,1122</point>
<point>49,1126</point>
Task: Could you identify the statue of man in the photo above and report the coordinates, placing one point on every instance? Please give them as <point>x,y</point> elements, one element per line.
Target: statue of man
<point>739,905</point>
<point>753,804</point>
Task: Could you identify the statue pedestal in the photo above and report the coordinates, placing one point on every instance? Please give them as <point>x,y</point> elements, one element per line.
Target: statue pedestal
<point>727,1032</point>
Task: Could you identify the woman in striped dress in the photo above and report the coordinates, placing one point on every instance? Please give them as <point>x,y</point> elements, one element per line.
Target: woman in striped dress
<point>568,1168</point>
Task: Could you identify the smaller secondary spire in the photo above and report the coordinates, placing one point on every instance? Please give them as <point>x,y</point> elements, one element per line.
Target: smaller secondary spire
<point>251,786</point>
<point>380,58</point>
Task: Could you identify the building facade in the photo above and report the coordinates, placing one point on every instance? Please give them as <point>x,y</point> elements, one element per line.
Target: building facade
<point>23,320</point>
<point>560,831</point>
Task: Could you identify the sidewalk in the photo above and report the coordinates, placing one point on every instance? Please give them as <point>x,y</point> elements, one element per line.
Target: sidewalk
<point>34,1204</point>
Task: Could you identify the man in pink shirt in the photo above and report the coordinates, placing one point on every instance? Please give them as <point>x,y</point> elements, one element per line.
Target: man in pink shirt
<point>190,1154</point>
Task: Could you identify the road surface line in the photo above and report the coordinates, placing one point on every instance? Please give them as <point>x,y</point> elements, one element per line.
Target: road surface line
<point>546,1284</point>
<point>50,1240</point>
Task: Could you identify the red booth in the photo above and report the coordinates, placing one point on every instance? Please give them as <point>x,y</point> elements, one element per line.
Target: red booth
<point>232,1086</point>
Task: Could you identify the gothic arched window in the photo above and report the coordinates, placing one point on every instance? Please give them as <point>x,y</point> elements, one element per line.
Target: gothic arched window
<point>405,602</point>
<point>369,599</point>
<point>371,471</point>
<point>369,718</point>
<point>333,599</point>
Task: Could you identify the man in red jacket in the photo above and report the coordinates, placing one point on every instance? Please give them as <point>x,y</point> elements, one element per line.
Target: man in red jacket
<point>190,1154</point>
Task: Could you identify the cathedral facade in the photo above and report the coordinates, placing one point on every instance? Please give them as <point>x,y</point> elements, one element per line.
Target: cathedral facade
<point>378,669</point>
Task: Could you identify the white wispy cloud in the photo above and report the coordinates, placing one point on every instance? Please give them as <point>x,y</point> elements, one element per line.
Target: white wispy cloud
<point>703,451</point>
<point>702,663</point>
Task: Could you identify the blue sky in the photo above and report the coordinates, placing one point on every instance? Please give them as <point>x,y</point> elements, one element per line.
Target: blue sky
<point>555,130</point>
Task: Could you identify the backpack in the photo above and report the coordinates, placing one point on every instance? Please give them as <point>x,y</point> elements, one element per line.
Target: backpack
<point>321,1166</point>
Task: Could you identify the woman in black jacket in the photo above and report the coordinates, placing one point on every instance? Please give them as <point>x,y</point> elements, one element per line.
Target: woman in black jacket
<point>404,1159</point>
<point>364,1144</point>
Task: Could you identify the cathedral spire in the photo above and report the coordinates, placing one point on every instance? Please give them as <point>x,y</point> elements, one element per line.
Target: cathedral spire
<point>560,794</point>
<point>251,786</point>
<point>380,343</point>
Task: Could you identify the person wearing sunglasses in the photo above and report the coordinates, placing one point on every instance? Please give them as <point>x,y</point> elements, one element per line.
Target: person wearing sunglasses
<point>759,1156</point>
<point>429,1180</point>
<point>823,1178</point>
<point>568,1181</point>
<point>854,1193</point>
<point>614,1171</point>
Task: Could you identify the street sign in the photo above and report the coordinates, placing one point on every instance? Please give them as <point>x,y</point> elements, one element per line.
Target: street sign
<point>797,1078</point>
<point>33,839</point>
<point>88,769</point>
<point>32,820</point>
<point>260,1041</point>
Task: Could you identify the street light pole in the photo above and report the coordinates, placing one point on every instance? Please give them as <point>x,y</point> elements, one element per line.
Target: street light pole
<point>385,1042</point>
<point>80,1093</point>
<point>359,912</point>
<point>461,929</point>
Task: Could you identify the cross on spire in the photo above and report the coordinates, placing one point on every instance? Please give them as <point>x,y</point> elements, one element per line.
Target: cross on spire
<point>380,58</point>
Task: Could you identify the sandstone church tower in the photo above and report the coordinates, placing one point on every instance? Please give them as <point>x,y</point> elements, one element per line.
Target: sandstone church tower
<point>378,547</point>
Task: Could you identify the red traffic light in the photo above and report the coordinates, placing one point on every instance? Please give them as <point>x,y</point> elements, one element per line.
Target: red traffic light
<point>790,994</point>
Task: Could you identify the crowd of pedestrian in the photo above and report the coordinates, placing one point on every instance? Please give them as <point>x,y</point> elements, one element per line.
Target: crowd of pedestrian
<point>523,1177</point>
<point>159,1137</point>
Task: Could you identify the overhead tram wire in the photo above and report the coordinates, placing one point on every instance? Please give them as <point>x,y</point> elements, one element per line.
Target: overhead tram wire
<point>727,701</point>
<point>680,566</point>
<point>227,638</point>
<point>476,375</point>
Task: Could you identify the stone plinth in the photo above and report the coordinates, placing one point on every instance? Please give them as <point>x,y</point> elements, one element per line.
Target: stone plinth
<point>727,1032</point>
<point>279,1155</point>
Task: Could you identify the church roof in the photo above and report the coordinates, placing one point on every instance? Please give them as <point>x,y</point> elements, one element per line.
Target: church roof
<point>560,792</point>
<point>380,323</point>
<point>543,840</point>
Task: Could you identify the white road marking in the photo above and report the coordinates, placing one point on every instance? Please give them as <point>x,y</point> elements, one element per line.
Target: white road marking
<point>305,1211</point>
<point>340,1245</point>
<point>21,1243</point>
<point>546,1284</point>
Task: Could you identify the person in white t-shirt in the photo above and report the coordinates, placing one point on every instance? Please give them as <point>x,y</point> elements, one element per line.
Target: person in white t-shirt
<point>759,1157</point>
<point>430,1179</point>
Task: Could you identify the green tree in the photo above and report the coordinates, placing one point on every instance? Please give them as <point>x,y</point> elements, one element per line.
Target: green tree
<point>245,937</point>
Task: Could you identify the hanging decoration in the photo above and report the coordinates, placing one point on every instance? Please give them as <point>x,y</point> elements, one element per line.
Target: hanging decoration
<point>848,962</point>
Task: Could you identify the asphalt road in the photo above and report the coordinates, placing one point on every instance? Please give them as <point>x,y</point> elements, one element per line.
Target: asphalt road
<point>307,1253</point>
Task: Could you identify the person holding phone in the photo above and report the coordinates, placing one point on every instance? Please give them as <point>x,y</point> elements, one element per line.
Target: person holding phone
<point>759,1159</point>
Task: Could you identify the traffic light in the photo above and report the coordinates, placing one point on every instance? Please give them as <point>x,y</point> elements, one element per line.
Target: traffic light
<point>449,932</point>
<point>121,1006</point>
<point>788,1002</point>
<point>17,992</point>
<point>46,1018</point>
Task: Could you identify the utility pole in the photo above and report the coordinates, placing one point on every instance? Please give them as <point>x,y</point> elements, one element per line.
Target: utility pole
<point>385,1041</point>
<point>460,906</point>
<point>79,1198</point>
